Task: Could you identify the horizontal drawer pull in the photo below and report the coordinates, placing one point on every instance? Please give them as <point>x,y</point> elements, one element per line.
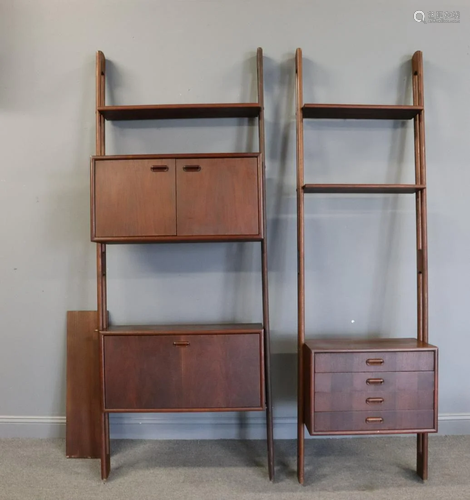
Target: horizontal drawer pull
<point>181,343</point>
<point>374,420</point>
<point>374,381</point>
<point>375,362</point>
<point>374,401</point>
<point>159,168</point>
<point>192,168</point>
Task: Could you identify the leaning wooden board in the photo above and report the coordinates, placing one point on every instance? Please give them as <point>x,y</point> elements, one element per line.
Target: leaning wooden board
<point>83,415</point>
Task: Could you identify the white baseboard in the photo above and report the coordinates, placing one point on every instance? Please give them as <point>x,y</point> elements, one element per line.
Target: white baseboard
<point>189,426</point>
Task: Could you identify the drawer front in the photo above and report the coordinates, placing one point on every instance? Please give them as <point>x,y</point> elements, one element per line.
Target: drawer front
<point>373,421</point>
<point>164,372</point>
<point>374,383</point>
<point>132,198</point>
<point>374,361</point>
<point>363,401</point>
<point>217,196</point>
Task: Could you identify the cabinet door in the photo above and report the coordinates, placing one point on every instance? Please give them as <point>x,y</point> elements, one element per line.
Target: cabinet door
<point>217,196</point>
<point>142,372</point>
<point>178,372</point>
<point>134,198</point>
<point>223,371</point>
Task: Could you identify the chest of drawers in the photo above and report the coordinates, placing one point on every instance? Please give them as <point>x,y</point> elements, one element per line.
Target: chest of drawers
<point>370,386</point>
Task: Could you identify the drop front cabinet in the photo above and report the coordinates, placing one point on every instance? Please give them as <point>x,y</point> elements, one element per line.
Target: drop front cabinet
<point>178,198</point>
<point>359,385</point>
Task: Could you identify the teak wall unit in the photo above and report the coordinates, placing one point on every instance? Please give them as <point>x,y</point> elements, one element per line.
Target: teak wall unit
<point>360,386</point>
<point>180,198</point>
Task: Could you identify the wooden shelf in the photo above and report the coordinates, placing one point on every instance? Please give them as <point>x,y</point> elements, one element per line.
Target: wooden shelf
<point>178,111</point>
<point>360,111</point>
<point>346,345</point>
<point>198,329</point>
<point>181,156</point>
<point>363,188</point>
<point>123,240</point>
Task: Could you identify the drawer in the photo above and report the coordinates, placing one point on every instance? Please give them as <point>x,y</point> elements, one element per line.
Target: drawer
<point>363,401</point>
<point>176,372</point>
<point>374,361</point>
<point>218,196</point>
<point>376,383</point>
<point>133,198</point>
<point>374,421</point>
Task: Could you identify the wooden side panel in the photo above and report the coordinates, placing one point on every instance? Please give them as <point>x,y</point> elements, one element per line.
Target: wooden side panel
<point>217,196</point>
<point>308,387</point>
<point>83,409</point>
<point>134,198</point>
<point>374,361</point>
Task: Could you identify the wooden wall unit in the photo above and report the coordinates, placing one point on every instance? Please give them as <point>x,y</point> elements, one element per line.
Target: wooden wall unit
<point>179,198</point>
<point>367,386</point>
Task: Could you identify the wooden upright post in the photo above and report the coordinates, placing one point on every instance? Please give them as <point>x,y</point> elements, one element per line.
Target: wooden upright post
<point>264,273</point>
<point>421,235</point>
<point>101,262</point>
<point>300,265</point>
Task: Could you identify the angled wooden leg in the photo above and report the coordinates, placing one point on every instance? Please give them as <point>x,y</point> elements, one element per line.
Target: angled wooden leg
<point>300,449</point>
<point>269,421</point>
<point>422,456</point>
<point>267,359</point>
<point>105,447</point>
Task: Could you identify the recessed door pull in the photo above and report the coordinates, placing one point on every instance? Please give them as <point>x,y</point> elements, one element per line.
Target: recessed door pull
<point>181,343</point>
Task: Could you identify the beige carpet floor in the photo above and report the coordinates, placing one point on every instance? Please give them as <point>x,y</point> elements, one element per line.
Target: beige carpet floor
<point>346,469</point>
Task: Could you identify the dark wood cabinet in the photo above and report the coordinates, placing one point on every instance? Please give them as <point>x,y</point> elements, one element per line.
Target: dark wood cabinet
<point>183,372</point>
<point>358,385</point>
<point>171,198</point>
<point>368,388</point>
<point>179,198</point>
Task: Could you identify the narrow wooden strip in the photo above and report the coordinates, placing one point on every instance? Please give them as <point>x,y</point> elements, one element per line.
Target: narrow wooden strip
<point>300,266</point>
<point>83,407</point>
<point>361,111</point>
<point>363,188</point>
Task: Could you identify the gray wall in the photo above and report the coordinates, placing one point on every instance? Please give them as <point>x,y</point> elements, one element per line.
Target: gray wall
<point>360,250</point>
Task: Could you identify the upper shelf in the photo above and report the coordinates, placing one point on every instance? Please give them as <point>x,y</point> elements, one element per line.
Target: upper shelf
<point>364,188</point>
<point>178,111</point>
<point>360,111</point>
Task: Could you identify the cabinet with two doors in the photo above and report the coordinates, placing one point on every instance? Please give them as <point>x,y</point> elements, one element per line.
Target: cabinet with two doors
<point>174,198</point>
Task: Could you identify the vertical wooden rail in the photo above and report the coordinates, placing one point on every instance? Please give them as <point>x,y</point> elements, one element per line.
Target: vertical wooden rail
<point>300,265</point>
<point>264,273</point>
<point>421,236</point>
<point>101,264</point>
